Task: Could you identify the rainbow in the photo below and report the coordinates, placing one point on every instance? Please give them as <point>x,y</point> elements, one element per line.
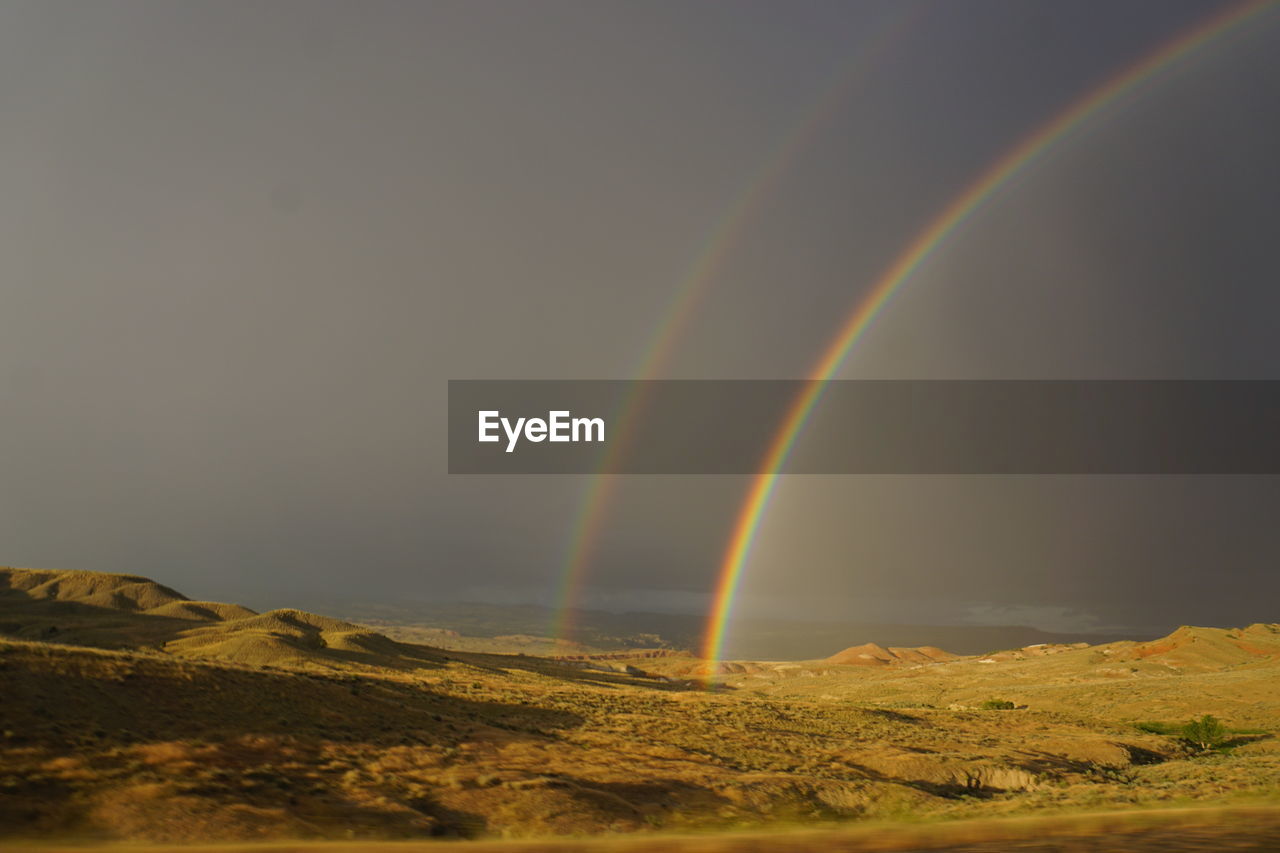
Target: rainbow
<point>924,244</point>
<point>693,286</point>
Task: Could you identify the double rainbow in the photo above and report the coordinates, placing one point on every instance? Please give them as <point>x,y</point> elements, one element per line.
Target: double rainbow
<point>1027,151</point>
<point>694,284</point>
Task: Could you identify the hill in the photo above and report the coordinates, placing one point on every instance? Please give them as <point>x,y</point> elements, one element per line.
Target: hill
<point>127,611</point>
<point>1205,649</point>
<point>869,654</point>
<point>295,638</point>
<point>98,589</point>
<point>1229,672</point>
<point>99,609</point>
<point>195,722</point>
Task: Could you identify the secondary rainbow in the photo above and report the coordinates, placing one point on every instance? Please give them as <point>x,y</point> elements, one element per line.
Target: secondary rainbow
<point>694,284</point>
<point>925,243</point>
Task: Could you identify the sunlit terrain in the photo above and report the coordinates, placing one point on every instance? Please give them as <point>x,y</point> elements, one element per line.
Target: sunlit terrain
<point>133,714</point>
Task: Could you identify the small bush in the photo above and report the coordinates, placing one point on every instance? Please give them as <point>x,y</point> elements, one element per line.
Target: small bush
<point>1205,733</point>
<point>997,705</point>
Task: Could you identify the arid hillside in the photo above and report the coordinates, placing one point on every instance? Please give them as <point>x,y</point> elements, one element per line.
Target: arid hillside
<point>132,714</point>
<point>100,609</point>
<point>1233,673</point>
<point>129,612</point>
<point>869,654</point>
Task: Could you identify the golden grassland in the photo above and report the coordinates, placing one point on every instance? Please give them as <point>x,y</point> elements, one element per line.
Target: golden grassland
<point>199,724</point>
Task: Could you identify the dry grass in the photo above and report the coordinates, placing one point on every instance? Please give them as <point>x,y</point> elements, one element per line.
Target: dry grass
<point>292,726</point>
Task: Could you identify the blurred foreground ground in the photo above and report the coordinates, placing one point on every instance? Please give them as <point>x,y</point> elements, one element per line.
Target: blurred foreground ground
<point>1247,828</point>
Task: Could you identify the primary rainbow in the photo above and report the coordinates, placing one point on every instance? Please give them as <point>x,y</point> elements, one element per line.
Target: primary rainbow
<point>693,286</point>
<point>908,261</point>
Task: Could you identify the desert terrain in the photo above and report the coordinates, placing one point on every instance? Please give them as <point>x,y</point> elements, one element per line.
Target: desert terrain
<point>132,714</point>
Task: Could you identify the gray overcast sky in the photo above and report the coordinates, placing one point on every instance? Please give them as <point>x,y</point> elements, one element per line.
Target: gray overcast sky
<point>243,246</point>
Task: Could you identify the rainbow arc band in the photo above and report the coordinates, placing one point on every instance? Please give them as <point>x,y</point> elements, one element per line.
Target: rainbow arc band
<point>598,495</point>
<point>1016,159</point>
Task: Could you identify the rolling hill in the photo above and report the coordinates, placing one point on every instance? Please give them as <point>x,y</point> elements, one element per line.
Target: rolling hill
<point>126,611</point>
<point>869,654</point>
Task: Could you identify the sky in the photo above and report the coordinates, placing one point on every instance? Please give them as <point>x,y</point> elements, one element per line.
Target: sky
<point>244,246</point>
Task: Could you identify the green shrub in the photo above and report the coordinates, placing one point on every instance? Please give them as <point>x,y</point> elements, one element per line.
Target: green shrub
<point>1205,733</point>
<point>997,705</point>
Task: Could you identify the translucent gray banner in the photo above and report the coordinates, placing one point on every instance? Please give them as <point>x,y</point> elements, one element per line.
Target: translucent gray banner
<point>865,427</point>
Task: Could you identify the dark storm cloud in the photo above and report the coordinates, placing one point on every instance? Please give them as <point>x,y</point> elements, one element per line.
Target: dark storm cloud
<point>243,247</point>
